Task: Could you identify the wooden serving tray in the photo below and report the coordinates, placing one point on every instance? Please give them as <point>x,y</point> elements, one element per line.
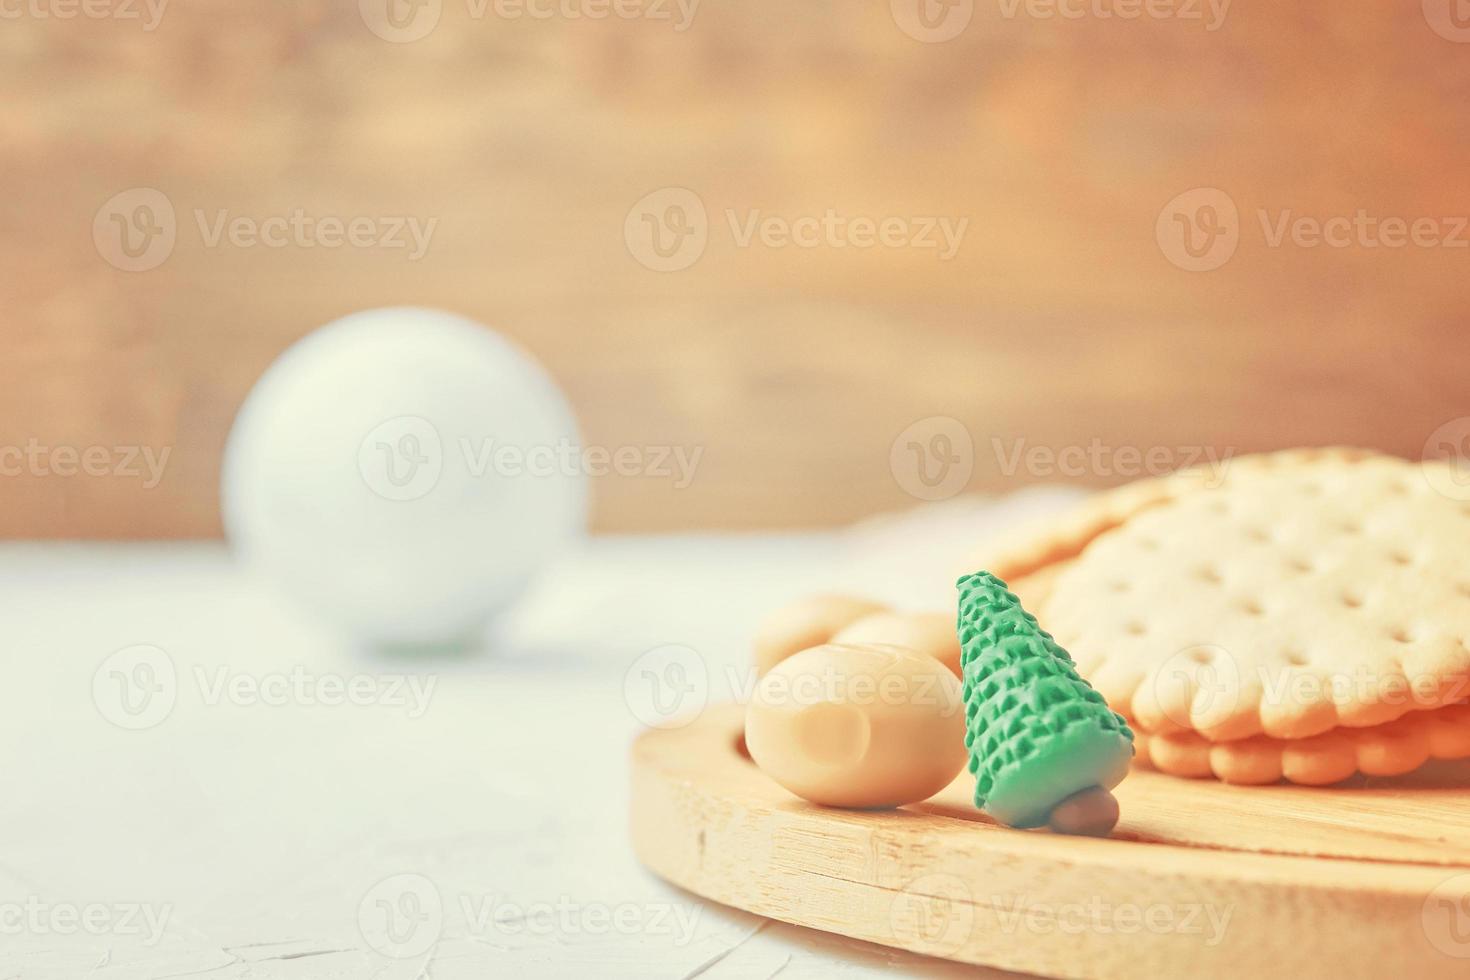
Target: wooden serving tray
<point>1200,879</point>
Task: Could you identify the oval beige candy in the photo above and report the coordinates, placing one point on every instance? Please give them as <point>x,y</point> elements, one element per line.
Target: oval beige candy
<point>858,726</point>
<point>804,624</point>
<point>933,633</point>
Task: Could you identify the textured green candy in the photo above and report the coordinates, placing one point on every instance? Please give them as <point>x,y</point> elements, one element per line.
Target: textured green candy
<point>1036,731</point>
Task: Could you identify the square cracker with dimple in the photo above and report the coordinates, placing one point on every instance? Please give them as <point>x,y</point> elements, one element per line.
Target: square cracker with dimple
<point>1287,601</point>
<point>1038,547</point>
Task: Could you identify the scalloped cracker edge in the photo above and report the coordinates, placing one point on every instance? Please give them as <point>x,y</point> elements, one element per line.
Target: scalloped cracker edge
<point>1299,596</point>
<point>1392,749</point>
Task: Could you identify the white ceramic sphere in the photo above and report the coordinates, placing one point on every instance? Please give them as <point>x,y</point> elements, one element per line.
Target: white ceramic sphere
<point>405,472</point>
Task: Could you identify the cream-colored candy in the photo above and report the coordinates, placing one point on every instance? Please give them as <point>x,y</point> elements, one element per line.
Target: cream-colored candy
<point>858,726</point>
<point>806,623</point>
<point>927,632</point>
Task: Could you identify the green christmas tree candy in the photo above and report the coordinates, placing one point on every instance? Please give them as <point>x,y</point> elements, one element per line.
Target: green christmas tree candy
<point>1037,733</point>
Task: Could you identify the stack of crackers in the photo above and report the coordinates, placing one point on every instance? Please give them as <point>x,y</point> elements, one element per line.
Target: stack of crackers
<point>1301,615</point>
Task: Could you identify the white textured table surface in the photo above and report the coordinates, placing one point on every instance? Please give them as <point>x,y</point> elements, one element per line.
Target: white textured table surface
<point>286,800</point>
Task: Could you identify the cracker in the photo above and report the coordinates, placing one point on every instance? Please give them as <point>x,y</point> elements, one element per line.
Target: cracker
<point>1298,596</point>
<point>1031,555</point>
<point>1391,749</point>
<point>1046,541</point>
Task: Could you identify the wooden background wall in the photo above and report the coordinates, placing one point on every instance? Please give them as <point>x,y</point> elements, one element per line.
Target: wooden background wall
<point>1062,320</point>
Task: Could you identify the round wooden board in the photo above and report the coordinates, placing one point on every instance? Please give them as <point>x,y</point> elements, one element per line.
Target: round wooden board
<point>1200,879</point>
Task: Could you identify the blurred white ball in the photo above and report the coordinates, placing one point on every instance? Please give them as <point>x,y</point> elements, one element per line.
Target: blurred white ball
<point>405,472</point>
